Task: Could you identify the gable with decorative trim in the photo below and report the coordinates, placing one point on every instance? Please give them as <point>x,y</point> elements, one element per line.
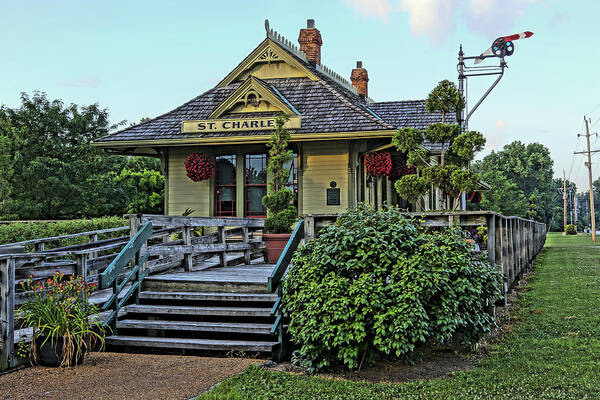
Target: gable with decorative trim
<point>268,61</point>
<point>254,96</point>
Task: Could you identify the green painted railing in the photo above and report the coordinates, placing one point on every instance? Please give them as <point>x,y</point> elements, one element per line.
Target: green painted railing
<point>110,276</point>
<point>274,284</point>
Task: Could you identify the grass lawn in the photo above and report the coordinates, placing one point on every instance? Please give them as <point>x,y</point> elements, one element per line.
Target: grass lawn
<point>552,353</point>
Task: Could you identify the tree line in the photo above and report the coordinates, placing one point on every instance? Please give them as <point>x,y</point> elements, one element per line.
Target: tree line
<point>49,170</point>
<point>522,183</point>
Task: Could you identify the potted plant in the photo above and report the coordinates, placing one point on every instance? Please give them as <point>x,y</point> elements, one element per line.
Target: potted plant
<point>281,213</point>
<point>60,314</point>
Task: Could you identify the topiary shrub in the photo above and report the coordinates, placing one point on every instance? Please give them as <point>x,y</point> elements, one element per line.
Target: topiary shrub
<point>571,229</point>
<point>281,213</point>
<point>378,284</point>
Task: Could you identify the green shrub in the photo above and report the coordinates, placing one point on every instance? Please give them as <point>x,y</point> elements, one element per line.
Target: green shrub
<point>571,229</point>
<point>21,231</point>
<point>377,284</point>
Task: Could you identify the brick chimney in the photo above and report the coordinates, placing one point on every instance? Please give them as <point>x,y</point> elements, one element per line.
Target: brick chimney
<point>310,42</point>
<point>360,79</point>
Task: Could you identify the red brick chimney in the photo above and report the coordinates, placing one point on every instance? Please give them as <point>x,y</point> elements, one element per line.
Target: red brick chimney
<point>310,42</point>
<point>360,79</point>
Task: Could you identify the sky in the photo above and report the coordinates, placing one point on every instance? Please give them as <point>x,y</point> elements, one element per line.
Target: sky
<point>143,58</point>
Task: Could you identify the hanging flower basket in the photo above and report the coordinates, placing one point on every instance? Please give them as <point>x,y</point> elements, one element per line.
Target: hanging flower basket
<point>400,169</point>
<point>199,167</point>
<point>378,164</point>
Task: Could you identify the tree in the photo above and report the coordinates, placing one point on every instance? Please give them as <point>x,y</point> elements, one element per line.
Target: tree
<point>514,174</point>
<point>452,175</point>
<point>49,170</point>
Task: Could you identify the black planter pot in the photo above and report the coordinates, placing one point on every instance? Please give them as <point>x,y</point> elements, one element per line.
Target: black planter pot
<point>50,353</point>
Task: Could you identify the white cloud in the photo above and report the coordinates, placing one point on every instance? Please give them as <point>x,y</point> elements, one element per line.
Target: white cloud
<point>90,81</point>
<point>373,8</point>
<point>437,18</point>
<point>500,125</point>
<point>434,18</point>
<point>495,18</point>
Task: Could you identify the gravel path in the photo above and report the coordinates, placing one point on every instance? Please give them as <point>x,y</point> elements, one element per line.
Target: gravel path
<point>123,376</point>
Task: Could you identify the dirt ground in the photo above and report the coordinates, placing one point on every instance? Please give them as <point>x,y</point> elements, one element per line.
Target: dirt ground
<point>431,365</point>
<point>123,376</point>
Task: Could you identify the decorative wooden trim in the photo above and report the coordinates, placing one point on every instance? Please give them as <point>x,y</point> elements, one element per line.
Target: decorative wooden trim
<point>240,94</point>
<point>267,51</point>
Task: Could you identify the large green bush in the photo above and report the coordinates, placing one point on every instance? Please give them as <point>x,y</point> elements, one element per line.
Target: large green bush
<point>378,284</point>
<point>571,229</point>
<point>21,231</point>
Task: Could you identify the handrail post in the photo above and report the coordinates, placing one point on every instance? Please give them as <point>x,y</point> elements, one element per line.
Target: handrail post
<point>134,224</point>
<point>82,266</point>
<point>91,239</point>
<point>186,234</point>
<point>247,258</point>
<point>138,274</point>
<point>115,306</point>
<point>491,238</point>
<point>7,313</point>
<point>221,239</point>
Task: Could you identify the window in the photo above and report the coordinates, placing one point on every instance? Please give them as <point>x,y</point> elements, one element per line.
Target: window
<point>292,183</point>
<point>255,184</point>
<point>225,186</point>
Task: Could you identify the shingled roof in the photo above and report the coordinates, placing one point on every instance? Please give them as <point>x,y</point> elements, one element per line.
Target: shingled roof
<point>326,106</point>
<point>410,114</point>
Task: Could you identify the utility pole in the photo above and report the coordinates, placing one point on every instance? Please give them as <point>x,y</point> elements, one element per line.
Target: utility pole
<point>570,204</point>
<point>564,203</point>
<point>589,165</point>
<point>576,212</point>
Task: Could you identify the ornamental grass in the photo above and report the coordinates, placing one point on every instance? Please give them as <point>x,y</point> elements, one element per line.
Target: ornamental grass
<point>60,308</point>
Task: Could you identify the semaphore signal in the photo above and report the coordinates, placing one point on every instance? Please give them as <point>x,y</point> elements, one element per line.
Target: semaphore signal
<point>503,46</point>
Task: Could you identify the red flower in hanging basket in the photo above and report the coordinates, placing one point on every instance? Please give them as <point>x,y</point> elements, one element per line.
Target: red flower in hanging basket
<point>399,168</point>
<point>199,167</point>
<point>378,164</point>
<point>474,197</point>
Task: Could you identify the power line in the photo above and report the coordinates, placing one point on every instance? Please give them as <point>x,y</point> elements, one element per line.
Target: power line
<point>573,156</point>
<point>595,108</point>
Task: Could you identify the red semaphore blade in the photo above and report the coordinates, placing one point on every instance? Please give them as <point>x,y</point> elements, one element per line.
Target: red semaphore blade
<point>517,36</point>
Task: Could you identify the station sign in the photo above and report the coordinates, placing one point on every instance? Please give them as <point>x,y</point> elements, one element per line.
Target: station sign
<point>236,125</point>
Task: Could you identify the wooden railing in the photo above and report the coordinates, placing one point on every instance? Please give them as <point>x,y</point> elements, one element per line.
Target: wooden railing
<point>193,248</point>
<point>512,242</point>
<point>274,284</point>
<point>132,252</point>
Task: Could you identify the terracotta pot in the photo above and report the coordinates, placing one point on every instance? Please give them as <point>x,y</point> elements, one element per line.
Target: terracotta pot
<point>275,243</point>
<point>50,353</point>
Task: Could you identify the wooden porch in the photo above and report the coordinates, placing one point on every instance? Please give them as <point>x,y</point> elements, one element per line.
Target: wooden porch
<point>192,283</point>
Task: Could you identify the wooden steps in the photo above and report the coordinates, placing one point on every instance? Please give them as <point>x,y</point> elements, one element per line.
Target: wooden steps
<point>217,309</point>
<point>229,327</point>
<point>237,279</point>
<point>198,311</point>
<point>198,296</point>
<point>192,344</point>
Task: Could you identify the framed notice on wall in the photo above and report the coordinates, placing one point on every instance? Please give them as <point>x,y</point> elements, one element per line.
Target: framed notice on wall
<point>333,196</point>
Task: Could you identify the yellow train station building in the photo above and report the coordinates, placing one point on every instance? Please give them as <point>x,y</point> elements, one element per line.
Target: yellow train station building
<point>333,123</point>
